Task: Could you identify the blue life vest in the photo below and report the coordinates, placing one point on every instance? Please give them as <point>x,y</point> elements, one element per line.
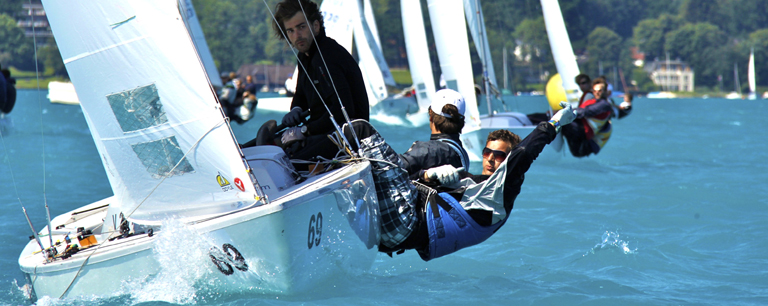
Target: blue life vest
<point>459,150</point>
<point>451,228</point>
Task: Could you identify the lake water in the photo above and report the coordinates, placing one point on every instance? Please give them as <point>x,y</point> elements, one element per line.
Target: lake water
<point>672,212</point>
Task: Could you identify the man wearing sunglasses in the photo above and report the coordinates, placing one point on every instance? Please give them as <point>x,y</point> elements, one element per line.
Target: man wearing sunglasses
<point>497,146</point>
<point>454,209</point>
<point>585,84</point>
<point>592,128</point>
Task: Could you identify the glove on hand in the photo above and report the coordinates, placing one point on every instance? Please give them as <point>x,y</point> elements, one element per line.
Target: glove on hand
<point>445,174</point>
<point>565,115</point>
<point>292,135</point>
<point>292,118</point>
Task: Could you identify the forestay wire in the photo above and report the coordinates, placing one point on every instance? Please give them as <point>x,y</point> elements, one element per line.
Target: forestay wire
<point>296,55</point>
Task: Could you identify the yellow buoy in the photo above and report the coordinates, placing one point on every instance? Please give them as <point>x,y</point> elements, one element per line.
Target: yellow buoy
<point>555,92</point>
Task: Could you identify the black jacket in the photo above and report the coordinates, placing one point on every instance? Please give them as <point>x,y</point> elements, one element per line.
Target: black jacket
<point>428,154</point>
<point>343,72</point>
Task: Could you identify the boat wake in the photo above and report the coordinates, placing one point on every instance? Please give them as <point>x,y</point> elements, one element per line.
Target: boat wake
<point>177,250</point>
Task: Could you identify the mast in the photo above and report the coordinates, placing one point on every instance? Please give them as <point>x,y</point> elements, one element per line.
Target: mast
<point>506,76</point>
<point>486,81</point>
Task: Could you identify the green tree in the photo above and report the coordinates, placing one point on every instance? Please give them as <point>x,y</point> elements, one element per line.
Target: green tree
<point>649,35</point>
<point>15,48</point>
<point>229,26</point>
<point>603,46</point>
<point>695,11</point>
<point>50,58</point>
<point>11,7</point>
<point>704,47</point>
<point>534,44</point>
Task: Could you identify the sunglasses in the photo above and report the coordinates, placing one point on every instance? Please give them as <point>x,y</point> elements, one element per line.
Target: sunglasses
<point>499,156</point>
<point>583,83</point>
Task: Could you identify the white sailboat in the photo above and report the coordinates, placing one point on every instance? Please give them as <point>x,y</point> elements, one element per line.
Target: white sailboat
<point>751,75</point>
<point>169,154</point>
<point>736,94</point>
<point>62,92</point>
<point>374,67</point>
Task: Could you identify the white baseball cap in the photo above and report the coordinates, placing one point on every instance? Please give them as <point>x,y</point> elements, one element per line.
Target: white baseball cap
<point>445,97</point>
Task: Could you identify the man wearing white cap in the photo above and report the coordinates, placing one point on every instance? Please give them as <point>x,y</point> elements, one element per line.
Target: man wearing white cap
<point>446,119</point>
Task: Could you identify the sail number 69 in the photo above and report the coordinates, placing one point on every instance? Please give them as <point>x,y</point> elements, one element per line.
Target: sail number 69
<point>315,230</point>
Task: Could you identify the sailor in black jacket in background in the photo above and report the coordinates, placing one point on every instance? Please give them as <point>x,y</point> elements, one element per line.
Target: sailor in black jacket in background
<point>332,76</point>
<point>446,119</point>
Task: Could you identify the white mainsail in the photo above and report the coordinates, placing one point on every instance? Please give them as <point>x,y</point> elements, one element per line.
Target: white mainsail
<point>419,62</point>
<point>449,29</point>
<point>162,138</point>
<point>751,75</point>
<point>562,51</point>
<point>193,25</point>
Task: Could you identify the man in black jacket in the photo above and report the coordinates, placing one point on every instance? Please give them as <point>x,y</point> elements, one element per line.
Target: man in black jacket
<point>446,120</point>
<point>328,78</point>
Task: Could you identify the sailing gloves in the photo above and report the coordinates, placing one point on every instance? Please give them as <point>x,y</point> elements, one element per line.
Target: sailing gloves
<point>563,116</point>
<point>445,174</point>
<point>292,118</point>
<point>292,135</point>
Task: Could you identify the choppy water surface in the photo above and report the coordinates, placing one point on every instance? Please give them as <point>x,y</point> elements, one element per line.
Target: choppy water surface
<point>671,212</point>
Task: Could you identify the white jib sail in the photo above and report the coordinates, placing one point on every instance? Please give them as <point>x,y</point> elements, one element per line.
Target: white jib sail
<point>751,72</point>
<point>372,65</point>
<point>562,51</point>
<point>193,26</point>
<point>162,137</point>
<point>476,24</point>
<point>450,31</point>
<point>419,62</point>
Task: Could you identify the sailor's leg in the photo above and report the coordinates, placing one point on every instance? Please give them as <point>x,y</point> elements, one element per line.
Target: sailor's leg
<point>394,191</point>
<point>577,139</point>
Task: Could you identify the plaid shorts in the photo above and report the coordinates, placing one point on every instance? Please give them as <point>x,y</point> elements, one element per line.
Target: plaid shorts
<point>394,191</point>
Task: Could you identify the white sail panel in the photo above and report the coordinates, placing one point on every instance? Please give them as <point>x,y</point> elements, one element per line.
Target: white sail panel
<point>339,21</point>
<point>476,24</point>
<point>449,29</point>
<point>193,26</point>
<point>419,62</point>
<point>562,51</point>
<point>156,123</point>
<point>367,51</point>
<point>751,73</point>
<point>375,42</point>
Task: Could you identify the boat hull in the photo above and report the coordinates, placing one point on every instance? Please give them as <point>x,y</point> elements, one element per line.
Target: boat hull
<point>322,229</point>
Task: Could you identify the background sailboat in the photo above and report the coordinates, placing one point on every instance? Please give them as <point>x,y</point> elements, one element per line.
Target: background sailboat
<point>751,75</point>
<point>170,155</point>
<point>419,62</point>
<point>736,93</point>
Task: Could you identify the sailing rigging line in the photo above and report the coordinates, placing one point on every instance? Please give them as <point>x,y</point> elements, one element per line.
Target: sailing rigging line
<point>296,55</point>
